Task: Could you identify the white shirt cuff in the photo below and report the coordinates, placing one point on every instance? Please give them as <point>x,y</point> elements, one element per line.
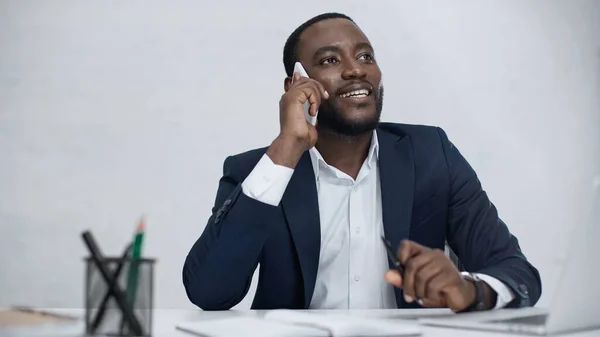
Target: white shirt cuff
<point>267,181</point>
<point>504,294</point>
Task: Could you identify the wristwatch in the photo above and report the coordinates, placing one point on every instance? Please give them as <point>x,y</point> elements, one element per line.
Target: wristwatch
<point>479,303</point>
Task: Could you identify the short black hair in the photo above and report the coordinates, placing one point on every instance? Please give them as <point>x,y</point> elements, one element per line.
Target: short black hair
<point>290,50</point>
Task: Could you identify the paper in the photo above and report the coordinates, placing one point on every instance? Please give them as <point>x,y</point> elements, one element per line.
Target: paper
<point>340,325</point>
<point>28,317</point>
<point>403,314</point>
<point>248,327</point>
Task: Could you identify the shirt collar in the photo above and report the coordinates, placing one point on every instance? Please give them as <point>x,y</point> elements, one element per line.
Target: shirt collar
<point>317,160</point>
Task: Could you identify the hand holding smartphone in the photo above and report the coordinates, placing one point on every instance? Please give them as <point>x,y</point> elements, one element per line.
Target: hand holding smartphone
<point>296,136</point>
<point>298,68</point>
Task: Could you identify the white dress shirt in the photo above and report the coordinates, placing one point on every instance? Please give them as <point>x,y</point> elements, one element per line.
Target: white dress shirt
<point>352,259</point>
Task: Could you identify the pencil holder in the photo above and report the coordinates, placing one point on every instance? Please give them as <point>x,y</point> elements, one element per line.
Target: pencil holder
<point>119,296</point>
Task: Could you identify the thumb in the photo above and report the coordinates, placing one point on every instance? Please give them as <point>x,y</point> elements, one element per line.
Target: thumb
<point>393,277</point>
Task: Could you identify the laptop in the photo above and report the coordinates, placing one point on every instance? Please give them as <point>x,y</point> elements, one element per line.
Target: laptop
<point>574,306</point>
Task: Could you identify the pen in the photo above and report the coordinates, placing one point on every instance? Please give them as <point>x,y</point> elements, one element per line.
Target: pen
<point>392,256</point>
<point>396,262</point>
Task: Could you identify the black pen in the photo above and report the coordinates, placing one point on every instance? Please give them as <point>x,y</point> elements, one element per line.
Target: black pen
<point>396,262</point>
<point>392,256</point>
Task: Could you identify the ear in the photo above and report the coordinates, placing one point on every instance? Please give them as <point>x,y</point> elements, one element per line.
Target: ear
<point>287,83</point>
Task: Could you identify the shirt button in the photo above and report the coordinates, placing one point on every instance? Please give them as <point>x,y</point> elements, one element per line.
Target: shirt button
<point>356,278</point>
<point>357,230</point>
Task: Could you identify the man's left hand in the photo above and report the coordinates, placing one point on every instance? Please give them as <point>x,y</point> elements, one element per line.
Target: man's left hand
<point>430,276</point>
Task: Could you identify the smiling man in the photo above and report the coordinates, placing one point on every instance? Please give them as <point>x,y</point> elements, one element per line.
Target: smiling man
<point>312,207</point>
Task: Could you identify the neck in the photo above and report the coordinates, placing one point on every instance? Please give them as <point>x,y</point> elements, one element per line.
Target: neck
<point>346,153</point>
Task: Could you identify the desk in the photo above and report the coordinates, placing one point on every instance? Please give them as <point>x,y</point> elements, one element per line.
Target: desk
<point>166,320</point>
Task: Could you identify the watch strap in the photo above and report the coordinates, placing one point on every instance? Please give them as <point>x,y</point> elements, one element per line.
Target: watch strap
<point>479,302</point>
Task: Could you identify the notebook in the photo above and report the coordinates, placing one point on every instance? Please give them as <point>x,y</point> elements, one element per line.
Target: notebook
<point>292,323</point>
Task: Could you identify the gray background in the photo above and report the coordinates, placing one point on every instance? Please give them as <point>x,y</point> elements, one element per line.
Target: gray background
<point>111,109</point>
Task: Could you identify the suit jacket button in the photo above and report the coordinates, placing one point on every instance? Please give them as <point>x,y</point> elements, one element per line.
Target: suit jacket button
<point>523,289</point>
<point>227,202</point>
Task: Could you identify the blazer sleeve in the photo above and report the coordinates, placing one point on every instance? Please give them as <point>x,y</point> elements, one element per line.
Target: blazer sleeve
<point>480,239</point>
<point>219,267</point>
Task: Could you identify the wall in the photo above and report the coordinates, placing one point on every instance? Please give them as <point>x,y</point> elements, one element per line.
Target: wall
<point>113,109</point>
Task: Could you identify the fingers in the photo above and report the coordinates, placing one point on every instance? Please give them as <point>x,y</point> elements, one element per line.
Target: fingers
<point>311,90</point>
<point>425,270</point>
<point>436,280</point>
<point>314,98</point>
<point>406,252</point>
<point>393,277</point>
<point>428,282</point>
<point>408,249</point>
<point>428,276</point>
<point>298,79</point>
<point>427,303</point>
<point>436,286</point>
<point>422,279</point>
<point>322,90</point>
<point>413,267</point>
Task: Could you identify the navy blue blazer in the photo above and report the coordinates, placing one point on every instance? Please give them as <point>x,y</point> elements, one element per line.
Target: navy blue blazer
<point>430,195</point>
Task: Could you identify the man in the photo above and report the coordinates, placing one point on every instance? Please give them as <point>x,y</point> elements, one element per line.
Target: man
<point>312,207</point>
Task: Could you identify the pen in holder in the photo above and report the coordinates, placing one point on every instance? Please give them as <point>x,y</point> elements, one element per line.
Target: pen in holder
<point>113,305</point>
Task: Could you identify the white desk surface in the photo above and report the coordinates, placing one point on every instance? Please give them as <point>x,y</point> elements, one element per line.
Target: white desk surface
<point>166,320</point>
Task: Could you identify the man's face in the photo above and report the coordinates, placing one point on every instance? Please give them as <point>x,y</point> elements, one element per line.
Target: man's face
<point>336,53</point>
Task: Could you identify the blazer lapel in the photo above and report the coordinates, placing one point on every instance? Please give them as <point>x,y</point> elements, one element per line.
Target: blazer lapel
<point>397,178</point>
<point>301,208</point>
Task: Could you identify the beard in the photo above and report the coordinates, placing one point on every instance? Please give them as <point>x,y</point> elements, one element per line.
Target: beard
<point>331,121</point>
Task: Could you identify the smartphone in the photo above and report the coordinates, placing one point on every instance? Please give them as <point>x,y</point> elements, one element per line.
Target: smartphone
<point>298,68</point>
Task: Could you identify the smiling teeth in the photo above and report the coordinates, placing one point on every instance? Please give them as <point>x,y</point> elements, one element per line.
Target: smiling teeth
<point>356,93</point>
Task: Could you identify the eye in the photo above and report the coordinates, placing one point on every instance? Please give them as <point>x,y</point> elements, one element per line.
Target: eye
<point>367,57</point>
<point>329,60</point>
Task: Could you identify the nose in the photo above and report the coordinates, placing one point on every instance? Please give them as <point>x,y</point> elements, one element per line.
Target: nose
<point>353,69</point>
